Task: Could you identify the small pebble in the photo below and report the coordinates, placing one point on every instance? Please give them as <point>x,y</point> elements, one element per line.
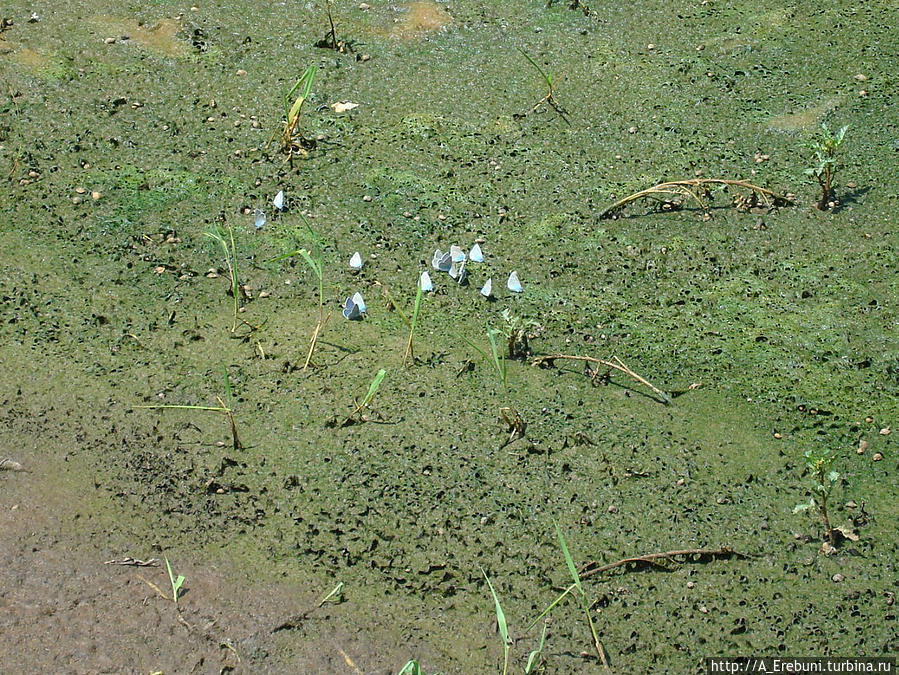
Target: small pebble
<point>365,57</point>
<point>364,5</point>
<point>109,41</point>
<point>778,435</point>
<point>861,78</point>
<point>837,578</point>
<point>851,504</point>
<point>681,482</point>
<point>862,446</point>
<point>240,72</point>
<point>95,195</point>
<point>80,190</point>
<point>877,457</point>
<point>76,200</point>
<point>159,269</point>
<point>885,431</point>
<point>366,198</point>
<point>612,509</point>
<point>691,584</point>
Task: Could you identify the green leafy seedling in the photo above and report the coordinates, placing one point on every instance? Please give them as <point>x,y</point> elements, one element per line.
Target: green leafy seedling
<point>578,589</point>
<point>550,80</point>
<point>819,465</point>
<point>225,239</point>
<point>535,656</point>
<point>176,582</point>
<point>500,623</point>
<point>292,107</point>
<point>335,595</point>
<point>314,259</point>
<point>824,149</point>
<point>369,396</point>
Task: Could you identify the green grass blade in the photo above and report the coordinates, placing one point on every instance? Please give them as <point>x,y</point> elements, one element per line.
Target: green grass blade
<point>373,387</point>
<point>568,560</point>
<point>500,615</point>
<point>534,656</point>
<point>551,605</point>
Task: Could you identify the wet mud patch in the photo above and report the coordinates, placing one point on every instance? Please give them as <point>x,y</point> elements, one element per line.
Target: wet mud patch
<point>164,37</point>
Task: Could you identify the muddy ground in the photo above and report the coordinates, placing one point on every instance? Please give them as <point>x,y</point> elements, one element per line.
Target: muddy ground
<point>128,132</point>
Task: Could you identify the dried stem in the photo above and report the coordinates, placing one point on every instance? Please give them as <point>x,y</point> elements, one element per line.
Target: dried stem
<point>615,363</point>
<point>588,570</point>
<point>692,188</point>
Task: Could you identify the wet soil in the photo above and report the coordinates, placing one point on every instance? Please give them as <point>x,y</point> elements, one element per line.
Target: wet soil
<point>129,132</point>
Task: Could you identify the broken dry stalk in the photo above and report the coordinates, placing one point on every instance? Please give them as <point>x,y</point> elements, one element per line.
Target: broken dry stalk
<point>697,189</point>
<point>615,363</point>
<point>591,568</point>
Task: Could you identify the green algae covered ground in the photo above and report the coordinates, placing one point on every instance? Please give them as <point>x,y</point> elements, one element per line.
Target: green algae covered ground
<point>127,130</point>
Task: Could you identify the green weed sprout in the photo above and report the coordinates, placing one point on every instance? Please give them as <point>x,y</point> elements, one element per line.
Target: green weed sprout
<point>225,410</point>
<point>225,239</point>
<point>335,595</point>
<point>176,582</point>
<point>497,356</point>
<point>550,80</point>
<point>411,668</point>
<point>535,656</point>
<point>824,148</point>
<point>577,588</point>
<point>292,107</point>
<point>369,396</point>
<point>819,465</point>
<point>314,259</point>
<point>501,624</point>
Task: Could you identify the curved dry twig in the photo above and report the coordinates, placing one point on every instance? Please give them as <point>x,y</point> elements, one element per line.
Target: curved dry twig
<point>692,188</point>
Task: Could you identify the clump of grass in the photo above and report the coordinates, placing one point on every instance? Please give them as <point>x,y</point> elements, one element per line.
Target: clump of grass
<point>291,142</point>
<point>224,237</point>
<point>367,399</point>
<point>824,148</point>
<point>497,355</point>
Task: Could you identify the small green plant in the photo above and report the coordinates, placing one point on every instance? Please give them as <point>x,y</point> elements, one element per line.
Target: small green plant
<point>224,237</point>
<point>496,356</point>
<point>819,466</point>
<point>578,589</point>
<point>369,396</point>
<point>517,333</point>
<point>226,410</point>
<point>313,258</point>
<point>824,148</point>
<point>290,142</point>
<point>550,80</point>
<point>335,595</point>
<point>535,655</point>
<point>176,582</point>
<point>501,624</point>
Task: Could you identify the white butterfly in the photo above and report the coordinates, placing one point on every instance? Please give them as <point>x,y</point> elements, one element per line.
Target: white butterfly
<point>458,272</point>
<point>475,254</point>
<point>278,201</point>
<point>441,261</point>
<point>424,282</point>
<point>514,284</point>
<point>487,290</point>
<point>457,254</point>
<point>354,308</point>
<point>356,261</point>
<point>259,221</point>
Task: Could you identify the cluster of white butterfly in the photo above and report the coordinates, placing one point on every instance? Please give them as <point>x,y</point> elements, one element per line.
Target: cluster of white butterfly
<point>454,263</point>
